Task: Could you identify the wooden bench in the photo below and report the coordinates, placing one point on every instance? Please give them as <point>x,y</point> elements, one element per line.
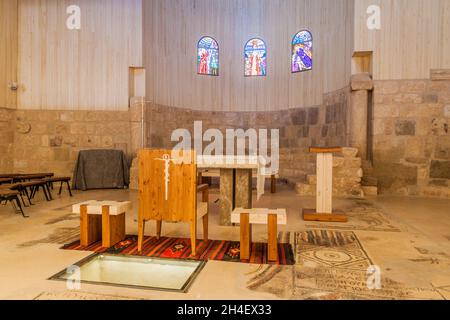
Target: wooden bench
<point>13,197</point>
<point>247,217</point>
<point>63,180</point>
<point>102,220</point>
<point>6,180</point>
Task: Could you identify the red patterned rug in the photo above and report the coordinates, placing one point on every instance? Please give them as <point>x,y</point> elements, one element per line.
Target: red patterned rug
<point>178,248</point>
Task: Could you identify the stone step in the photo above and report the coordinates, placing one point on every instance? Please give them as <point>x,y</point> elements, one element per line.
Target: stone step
<point>305,189</point>
<point>367,167</point>
<point>370,191</point>
<point>368,181</point>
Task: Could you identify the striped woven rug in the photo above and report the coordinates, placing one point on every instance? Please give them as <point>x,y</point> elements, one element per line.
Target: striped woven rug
<point>180,248</point>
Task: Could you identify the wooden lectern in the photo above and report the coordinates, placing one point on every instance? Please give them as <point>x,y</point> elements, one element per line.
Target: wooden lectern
<point>324,201</point>
<point>168,192</point>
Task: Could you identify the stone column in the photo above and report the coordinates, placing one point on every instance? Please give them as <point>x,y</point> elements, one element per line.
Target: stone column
<point>243,189</point>
<point>137,106</point>
<point>361,85</point>
<point>226,196</point>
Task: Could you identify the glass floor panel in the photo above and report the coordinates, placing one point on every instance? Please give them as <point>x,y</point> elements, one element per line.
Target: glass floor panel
<point>134,272</point>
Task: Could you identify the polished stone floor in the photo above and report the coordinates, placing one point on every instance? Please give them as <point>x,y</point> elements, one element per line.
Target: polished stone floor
<point>406,239</point>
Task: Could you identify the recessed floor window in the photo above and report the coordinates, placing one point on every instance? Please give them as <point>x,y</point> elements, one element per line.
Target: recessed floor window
<point>134,272</point>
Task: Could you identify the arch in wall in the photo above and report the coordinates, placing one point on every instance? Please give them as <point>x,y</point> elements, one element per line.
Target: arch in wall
<point>302,51</point>
<point>255,58</point>
<point>208,56</point>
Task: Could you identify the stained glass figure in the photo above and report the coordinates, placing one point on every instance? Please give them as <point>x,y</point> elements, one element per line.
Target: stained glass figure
<point>255,55</point>
<point>302,52</point>
<point>208,57</point>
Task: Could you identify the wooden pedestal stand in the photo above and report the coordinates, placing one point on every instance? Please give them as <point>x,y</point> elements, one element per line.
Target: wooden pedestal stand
<point>324,207</point>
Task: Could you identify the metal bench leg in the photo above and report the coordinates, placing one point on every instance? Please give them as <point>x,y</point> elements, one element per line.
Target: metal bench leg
<point>13,205</point>
<point>33,192</point>
<point>45,193</point>
<point>28,196</point>
<point>21,198</point>
<point>60,188</point>
<point>20,207</point>
<point>68,188</point>
<point>47,189</point>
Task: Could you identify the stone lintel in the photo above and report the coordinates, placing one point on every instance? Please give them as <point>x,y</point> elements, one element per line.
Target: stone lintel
<point>361,81</point>
<point>440,74</point>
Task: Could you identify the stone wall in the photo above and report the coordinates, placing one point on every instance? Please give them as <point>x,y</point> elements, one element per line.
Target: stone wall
<point>347,175</point>
<point>49,141</point>
<point>6,140</point>
<point>412,137</point>
<point>300,128</point>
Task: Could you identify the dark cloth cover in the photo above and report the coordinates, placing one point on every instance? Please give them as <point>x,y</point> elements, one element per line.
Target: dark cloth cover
<point>101,169</point>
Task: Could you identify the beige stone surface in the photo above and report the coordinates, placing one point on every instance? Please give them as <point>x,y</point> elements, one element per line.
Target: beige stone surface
<point>49,141</point>
<point>410,132</point>
<point>406,237</point>
<point>361,81</point>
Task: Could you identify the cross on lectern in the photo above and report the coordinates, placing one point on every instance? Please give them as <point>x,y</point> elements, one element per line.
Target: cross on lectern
<point>166,158</point>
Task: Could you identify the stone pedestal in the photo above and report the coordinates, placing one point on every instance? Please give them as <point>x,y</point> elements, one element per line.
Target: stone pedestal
<point>235,192</point>
<point>361,85</point>
<point>226,196</point>
<point>359,121</point>
<point>243,189</point>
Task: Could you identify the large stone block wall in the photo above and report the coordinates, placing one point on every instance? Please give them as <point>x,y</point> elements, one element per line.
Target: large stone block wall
<point>49,141</point>
<point>412,137</point>
<point>300,128</point>
<point>6,140</point>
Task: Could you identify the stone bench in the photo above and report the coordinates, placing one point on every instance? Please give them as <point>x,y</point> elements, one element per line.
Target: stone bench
<point>270,217</point>
<point>102,220</point>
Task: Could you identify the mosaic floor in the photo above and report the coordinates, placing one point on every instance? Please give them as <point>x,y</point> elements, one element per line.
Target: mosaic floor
<point>406,239</point>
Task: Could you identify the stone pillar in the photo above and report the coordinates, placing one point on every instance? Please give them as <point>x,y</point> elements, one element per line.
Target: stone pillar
<point>361,85</point>
<point>243,189</point>
<point>137,114</point>
<point>226,196</point>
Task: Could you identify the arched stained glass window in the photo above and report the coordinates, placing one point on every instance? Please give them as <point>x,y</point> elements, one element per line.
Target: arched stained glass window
<point>208,57</point>
<point>255,54</point>
<point>302,51</point>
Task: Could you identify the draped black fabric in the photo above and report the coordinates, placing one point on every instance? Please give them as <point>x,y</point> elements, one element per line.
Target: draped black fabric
<point>101,169</point>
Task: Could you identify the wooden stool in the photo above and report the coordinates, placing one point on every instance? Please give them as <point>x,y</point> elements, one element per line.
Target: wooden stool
<point>271,218</point>
<point>324,198</point>
<point>102,220</point>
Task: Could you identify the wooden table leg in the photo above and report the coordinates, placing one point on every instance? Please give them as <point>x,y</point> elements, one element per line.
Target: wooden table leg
<point>90,227</point>
<point>193,238</point>
<point>272,237</point>
<point>273,184</point>
<point>246,236</point>
<point>113,228</point>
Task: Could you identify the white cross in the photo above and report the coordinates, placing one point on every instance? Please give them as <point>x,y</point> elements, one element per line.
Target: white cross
<point>167,160</point>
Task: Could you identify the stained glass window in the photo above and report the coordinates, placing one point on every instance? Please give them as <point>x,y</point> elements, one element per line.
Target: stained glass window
<point>255,58</point>
<point>208,57</point>
<point>302,49</point>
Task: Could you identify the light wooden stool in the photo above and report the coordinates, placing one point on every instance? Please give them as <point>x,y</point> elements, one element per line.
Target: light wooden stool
<point>324,198</point>
<point>248,217</point>
<point>102,220</point>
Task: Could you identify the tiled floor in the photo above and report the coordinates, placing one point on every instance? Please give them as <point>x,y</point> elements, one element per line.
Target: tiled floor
<point>408,239</point>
